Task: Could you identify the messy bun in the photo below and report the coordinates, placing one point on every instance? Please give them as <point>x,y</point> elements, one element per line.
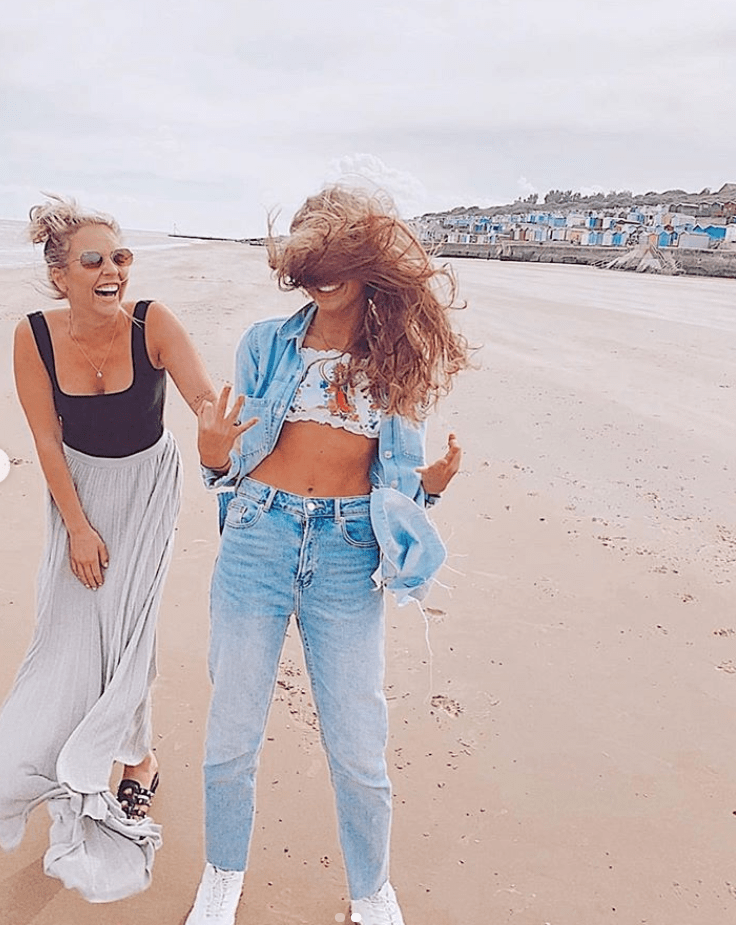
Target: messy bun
<point>53,223</point>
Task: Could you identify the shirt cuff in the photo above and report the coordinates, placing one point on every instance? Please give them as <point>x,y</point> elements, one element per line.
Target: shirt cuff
<point>214,478</point>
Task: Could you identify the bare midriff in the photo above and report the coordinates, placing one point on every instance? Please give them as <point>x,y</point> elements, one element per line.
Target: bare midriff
<point>318,460</point>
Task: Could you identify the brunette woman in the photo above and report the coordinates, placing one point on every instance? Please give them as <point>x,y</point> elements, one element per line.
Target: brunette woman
<point>331,490</point>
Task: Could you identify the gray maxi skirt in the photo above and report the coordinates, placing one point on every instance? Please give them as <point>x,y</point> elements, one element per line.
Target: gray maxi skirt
<point>81,699</point>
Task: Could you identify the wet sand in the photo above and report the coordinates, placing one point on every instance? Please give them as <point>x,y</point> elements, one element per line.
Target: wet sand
<point>562,738</point>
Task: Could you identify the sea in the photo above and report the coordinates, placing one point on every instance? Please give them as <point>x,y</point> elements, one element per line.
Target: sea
<point>17,251</point>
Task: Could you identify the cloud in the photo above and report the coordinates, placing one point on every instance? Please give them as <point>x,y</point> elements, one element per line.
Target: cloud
<point>369,171</point>
<point>525,187</point>
<point>211,116</point>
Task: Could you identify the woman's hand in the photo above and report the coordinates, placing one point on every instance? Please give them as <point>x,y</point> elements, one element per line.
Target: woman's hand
<point>438,475</point>
<point>88,557</point>
<point>219,429</point>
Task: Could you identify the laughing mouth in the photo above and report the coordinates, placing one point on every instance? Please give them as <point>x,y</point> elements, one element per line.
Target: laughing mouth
<point>111,290</point>
<point>333,287</point>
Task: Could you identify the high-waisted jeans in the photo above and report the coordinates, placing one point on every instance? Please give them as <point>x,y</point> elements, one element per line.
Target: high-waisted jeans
<point>284,554</point>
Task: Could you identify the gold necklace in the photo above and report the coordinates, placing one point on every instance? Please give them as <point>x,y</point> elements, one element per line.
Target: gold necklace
<point>97,369</point>
<point>328,347</point>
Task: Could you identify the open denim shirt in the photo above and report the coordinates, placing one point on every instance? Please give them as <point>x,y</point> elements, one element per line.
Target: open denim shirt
<point>268,370</point>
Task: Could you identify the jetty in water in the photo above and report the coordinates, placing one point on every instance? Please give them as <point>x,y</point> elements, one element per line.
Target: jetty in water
<point>204,237</point>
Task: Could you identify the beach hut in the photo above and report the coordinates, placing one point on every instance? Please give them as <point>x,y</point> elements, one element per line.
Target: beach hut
<point>694,240</point>
<point>716,232</point>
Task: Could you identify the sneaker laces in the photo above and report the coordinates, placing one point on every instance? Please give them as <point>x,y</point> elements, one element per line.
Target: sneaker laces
<point>222,886</point>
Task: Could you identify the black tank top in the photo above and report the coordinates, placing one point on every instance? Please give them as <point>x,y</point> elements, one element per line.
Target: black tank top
<point>114,424</point>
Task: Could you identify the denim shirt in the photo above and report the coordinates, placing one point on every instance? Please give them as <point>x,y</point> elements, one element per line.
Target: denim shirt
<point>268,370</point>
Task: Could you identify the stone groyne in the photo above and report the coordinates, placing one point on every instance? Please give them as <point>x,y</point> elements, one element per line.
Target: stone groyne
<point>204,237</point>
<point>689,262</point>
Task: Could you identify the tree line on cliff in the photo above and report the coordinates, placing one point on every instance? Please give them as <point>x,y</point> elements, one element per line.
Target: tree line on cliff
<point>567,200</point>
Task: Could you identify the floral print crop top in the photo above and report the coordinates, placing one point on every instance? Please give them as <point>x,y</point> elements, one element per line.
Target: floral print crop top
<point>318,397</point>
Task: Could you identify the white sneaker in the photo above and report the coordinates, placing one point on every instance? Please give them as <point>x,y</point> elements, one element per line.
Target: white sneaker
<point>217,897</point>
<point>379,909</point>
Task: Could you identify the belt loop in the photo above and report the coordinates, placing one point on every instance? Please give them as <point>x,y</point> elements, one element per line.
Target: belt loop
<point>338,511</point>
<point>269,499</point>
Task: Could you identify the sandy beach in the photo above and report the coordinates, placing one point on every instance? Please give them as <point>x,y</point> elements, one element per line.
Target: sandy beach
<point>562,750</point>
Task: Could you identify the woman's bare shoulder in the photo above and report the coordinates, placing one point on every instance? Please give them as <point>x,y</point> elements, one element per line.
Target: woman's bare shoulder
<point>54,317</point>
<point>50,314</point>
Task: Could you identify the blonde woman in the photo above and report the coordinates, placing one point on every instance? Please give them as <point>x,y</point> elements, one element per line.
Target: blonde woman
<point>329,509</point>
<point>91,377</point>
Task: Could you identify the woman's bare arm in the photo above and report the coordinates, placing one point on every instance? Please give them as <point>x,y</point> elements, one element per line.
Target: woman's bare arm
<point>87,551</point>
<point>170,347</point>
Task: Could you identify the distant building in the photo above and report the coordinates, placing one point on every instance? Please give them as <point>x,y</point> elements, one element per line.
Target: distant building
<point>681,220</point>
<point>694,240</point>
<point>715,232</point>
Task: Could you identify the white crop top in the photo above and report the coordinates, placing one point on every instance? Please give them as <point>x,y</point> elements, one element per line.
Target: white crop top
<point>319,399</point>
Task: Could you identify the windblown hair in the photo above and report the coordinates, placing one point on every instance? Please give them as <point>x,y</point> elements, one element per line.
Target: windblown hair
<point>53,223</point>
<point>407,347</point>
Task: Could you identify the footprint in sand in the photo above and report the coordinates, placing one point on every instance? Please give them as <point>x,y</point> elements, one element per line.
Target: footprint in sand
<point>446,704</point>
<point>296,696</point>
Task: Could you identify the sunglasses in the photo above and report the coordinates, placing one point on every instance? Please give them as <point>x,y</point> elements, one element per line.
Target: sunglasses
<point>93,260</point>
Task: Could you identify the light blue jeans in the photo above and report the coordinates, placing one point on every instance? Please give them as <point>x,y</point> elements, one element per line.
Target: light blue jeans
<point>283,554</point>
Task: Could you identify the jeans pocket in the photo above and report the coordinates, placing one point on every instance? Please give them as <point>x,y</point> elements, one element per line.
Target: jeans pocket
<point>358,531</point>
<point>242,512</point>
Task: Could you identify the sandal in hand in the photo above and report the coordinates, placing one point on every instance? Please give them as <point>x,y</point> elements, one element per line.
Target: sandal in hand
<point>134,799</point>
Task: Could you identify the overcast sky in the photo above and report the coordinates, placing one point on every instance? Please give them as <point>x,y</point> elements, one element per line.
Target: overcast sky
<point>200,115</point>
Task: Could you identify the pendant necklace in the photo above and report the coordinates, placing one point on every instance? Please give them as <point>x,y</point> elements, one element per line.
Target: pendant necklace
<point>97,369</point>
<point>341,393</point>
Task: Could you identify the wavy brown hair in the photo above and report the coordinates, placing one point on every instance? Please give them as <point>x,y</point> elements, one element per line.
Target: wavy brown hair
<point>53,223</point>
<point>407,347</point>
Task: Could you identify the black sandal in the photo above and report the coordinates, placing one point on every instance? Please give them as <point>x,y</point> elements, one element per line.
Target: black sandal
<point>134,799</point>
